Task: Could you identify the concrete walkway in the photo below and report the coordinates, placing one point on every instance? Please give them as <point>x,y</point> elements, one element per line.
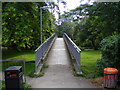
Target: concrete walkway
<point>59,73</point>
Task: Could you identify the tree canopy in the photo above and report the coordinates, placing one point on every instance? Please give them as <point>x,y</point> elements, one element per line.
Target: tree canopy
<point>21,24</point>
<point>93,22</point>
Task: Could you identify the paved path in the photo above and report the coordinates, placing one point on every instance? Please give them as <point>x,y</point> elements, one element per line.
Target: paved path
<point>59,73</point>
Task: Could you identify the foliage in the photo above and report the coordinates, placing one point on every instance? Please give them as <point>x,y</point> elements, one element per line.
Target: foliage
<point>27,86</point>
<point>66,27</point>
<point>20,24</point>
<point>93,23</point>
<point>77,74</point>
<point>110,47</point>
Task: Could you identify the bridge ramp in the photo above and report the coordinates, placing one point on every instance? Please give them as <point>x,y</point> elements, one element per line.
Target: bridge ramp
<point>59,74</point>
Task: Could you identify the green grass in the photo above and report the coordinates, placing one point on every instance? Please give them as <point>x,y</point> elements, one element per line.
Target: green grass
<point>30,67</point>
<point>27,55</point>
<point>88,62</point>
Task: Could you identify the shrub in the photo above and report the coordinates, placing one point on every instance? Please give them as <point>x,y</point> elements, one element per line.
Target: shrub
<point>110,48</point>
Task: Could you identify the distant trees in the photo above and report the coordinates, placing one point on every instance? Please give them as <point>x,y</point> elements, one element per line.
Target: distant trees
<point>66,27</point>
<point>94,22</point>
<point>20,24</point>
<point>96,26</point>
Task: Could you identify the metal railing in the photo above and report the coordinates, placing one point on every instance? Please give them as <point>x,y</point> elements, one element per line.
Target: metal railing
<point>74,50</point>
<point>42,49</point>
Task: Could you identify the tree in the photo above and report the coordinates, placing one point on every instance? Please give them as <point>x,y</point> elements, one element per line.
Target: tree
<point>66,27</point>
<point>20,25</point>
<point>94,22</point>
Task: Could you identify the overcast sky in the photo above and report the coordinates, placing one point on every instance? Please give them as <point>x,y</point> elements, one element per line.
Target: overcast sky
<point>71,4</point>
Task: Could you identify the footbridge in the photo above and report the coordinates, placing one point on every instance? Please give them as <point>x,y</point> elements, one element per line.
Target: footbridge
<point>63,58</point>
<point>67,45</point>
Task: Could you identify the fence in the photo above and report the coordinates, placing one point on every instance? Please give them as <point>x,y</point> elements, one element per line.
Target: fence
<point>42,49</point>
<point>7,63</point>
<point>74,50</point>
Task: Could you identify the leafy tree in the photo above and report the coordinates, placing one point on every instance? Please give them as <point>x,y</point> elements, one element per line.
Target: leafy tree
<point>109,12</point>
<point>21,27</point>
<point>66,27</point>
<point>94,22</point>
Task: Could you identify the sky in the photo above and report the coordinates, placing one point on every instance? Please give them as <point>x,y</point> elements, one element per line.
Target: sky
<point>71,4</point>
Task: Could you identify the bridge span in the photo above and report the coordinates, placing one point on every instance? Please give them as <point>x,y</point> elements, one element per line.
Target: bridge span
<point>59,73</point>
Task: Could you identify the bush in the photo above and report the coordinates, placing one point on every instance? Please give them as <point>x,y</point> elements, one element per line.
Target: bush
<point>110,48</point>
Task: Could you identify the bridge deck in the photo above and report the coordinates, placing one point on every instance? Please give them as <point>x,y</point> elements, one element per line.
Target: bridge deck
<point>59,73</point>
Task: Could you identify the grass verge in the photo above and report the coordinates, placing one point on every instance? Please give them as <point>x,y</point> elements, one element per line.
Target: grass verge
<point>88,66</point>
<point>27,55</point>
<point>88,62</point>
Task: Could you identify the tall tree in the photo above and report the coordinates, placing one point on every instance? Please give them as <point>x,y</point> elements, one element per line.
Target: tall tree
<point>94,22</point>
<point>21,25</point>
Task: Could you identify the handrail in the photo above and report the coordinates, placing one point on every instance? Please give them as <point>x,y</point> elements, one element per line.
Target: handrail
<point>42,49</point>
<point>44,42</point>
<point>78,49</point>
<point>74,50</point>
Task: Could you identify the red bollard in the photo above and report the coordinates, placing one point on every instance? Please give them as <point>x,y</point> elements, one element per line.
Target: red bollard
<point>110,77</point>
